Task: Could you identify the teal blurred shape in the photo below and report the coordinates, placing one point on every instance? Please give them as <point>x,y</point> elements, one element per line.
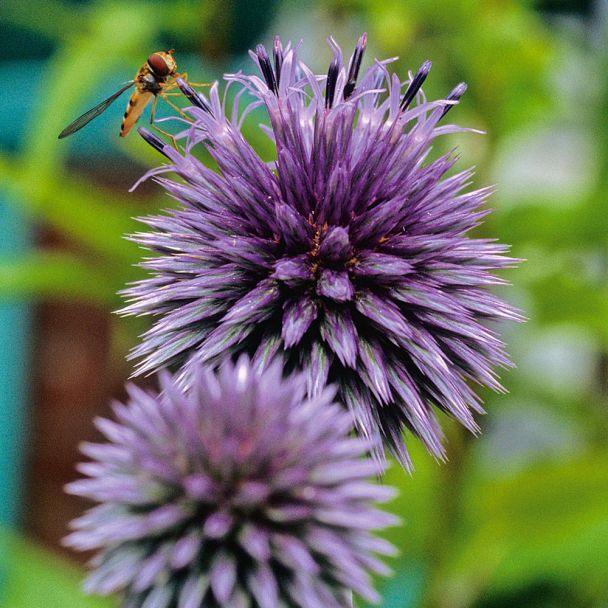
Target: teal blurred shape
<point>17,103</point>
<point>405,588</point>
<point>100,134</point>
<point>15,324</point>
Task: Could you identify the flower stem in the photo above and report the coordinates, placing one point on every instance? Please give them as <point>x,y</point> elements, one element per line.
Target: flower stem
<point>448,511</point>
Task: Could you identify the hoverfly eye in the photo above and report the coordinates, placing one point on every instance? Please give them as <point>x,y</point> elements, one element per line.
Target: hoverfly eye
<point>158,65</point>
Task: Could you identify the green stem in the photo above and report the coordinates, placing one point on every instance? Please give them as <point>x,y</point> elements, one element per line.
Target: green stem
<point>448,511</point>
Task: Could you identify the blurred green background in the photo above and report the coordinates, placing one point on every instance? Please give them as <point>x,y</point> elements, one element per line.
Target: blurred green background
<point>517,517</point>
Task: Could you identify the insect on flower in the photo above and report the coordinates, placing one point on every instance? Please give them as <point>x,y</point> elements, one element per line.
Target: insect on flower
<point>155,78</point>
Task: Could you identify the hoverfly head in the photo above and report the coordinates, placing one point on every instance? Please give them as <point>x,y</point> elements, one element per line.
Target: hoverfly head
<point>162,64</point>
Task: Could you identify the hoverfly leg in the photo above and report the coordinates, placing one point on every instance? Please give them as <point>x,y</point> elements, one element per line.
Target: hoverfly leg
<point>184,76</point>
<point>173,140</point>
<point>175,107</point>
<point>153,112</point>
<point>155,127</point>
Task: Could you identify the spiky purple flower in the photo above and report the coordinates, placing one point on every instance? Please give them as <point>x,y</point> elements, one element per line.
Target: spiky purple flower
<point>348,254</point>
<point>238,492</point>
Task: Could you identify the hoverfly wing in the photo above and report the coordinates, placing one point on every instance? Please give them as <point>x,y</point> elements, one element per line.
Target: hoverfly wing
<point>87,117</point>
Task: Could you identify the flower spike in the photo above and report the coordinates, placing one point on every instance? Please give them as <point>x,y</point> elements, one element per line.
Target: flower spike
<point>277,51</point>
<point>330,86</point>
<point>266,68</point>
<point>416,84</point>
<point>455,94</point>
<point>153,140</point>
<point>197,99</point>
<point>354,66</point>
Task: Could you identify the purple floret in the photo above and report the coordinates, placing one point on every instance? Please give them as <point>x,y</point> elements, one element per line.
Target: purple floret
<point>348,255</point>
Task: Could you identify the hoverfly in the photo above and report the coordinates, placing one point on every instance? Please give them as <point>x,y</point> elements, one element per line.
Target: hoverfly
<point>153,79</point>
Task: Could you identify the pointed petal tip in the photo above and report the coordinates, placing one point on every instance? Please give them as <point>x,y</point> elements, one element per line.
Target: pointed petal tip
<point>425,68</point>
<point>156,142</point>
<point>459,90</point>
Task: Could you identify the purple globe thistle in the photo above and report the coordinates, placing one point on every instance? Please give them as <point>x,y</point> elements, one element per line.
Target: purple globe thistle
<point>236,492</point>
<point>348,254</point>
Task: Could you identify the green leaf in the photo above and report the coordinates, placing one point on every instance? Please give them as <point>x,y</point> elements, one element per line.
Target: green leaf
<point>47,18</point>
<point>87,213</point>
<point>548,523</point>
<point>31,577</point>
<point>54,274</point>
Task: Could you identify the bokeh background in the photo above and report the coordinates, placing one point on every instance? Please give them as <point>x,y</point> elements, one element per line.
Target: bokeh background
<point>517,517</point>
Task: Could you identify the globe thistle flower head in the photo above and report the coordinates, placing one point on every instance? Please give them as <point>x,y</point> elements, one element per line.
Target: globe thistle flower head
<point>237,492</point>
<point>348,254</point>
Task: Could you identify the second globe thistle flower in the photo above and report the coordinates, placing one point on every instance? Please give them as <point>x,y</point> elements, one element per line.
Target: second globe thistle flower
<point>348,254</point>
<point>237,492</point>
